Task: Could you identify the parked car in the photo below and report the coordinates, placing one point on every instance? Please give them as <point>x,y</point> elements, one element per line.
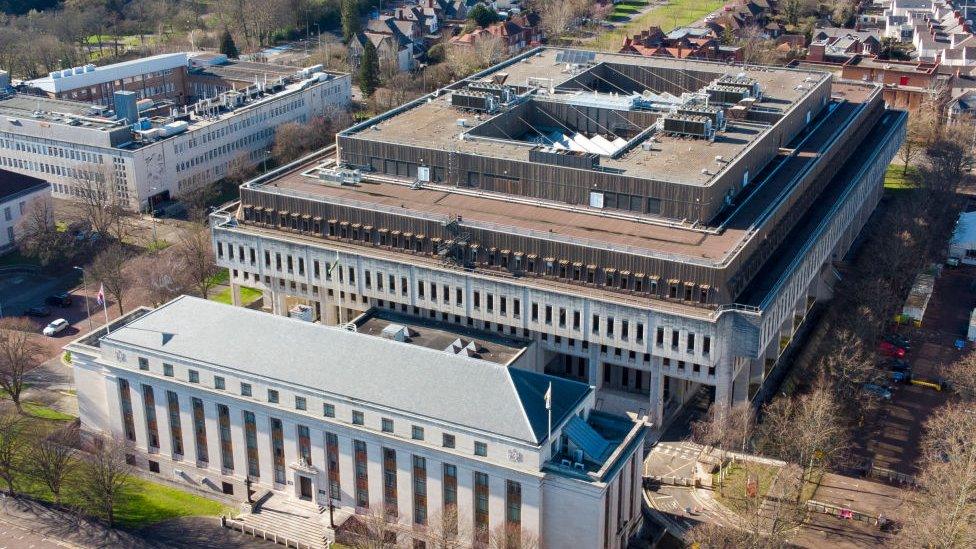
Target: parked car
<point>889,349</point>
<point>877,390</point>
<point>897,365</point>
<point>62,300</point>
<point>898,340</point>
<point>56,327</point>
<point>38,312</point>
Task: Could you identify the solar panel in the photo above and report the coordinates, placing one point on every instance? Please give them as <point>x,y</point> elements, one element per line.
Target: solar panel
<point>575,57</point>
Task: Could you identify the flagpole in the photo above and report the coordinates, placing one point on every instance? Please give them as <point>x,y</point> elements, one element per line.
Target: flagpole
<point>548,398</point>
<point>338,288</point>
<point>108,325</point>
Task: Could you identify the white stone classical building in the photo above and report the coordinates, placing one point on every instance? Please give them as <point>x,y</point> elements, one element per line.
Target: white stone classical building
<point>210,395</point>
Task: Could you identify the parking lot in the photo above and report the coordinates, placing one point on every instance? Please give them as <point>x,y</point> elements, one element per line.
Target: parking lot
<point>893,441</point>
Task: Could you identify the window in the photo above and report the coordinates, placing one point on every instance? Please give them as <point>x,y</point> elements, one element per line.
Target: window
<point>660,337</point>
<point>480,449</point>
<point>548,314</point>
<point>419,490</point>
<point>168,370</point>
<point>251,442</point>
<point>390,482</point>
<point>304,443</point>
<point>272,396</point>
<point>328,410</point>
<point>226,448</point>
<point>219,383</point>
<point>706,345</point>
<point>332,461</point>
<point>175,429</point>
<point>516,308</point>
<point>194,376</point>
<point>576,320</point>
<point>691,342</point>
<point>480,507</point>
<point>143,363</point>
<point>417,432</point>
<point>535,312</point>
<point>200,430</point>
<point>300,403</point>
<point>513,510</point>
<point>596,324</point>
<point>610,324</point>
<point>624,329</point>
<point>448,441</point>
<point>387,425</point>
<point>477,300</point>
<point>450,498</point>
<point>149,407</point>
<point>153,466</point>
<point>245,389</point>
<point>357,418</point>
<point>362,479</point>
<point>278,450</point>
<point>675,336</point>
<point>640,332</point>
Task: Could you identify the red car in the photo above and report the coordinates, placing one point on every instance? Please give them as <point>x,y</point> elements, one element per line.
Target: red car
<point>889,349</point>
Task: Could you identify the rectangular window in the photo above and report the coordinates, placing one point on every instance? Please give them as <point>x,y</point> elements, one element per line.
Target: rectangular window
<point>357,417</point>
<point>660,337</point>
<point>175,429</point>
<point>226,447</point>
<point>328,410</point>
<point>513,510</point>
<point>362,480</point>
<point>691,342</point>
<point>168,370</point>
<point>548,314</point>
<point>417,432</point>
<point>200,430</point>
<point>245,389</point>
<point>419,490</point>
<point>251,441</point>
<point>706,345</point>
<point>219,383</point>
<point>387,425</point>
<point>624,329</point>
<point>596,324</point>
<point>675,337</point>
<point>450,498</point>
<point>535,312</point>
<point>149,405</point>
<point>194,376</point>
<point>480,507</point>
<point>143,363</point>
<point>610,324</point>
<point>300,403</point>
<point>480,449</point>
<point>448,441</point>
<point>278,450</point>
<point>332,459</point>
<point>272,396</point>
<point>390,483</point>
<point>576,320</point>
<point>304,444</point>
<point>477,300</point>
<point>458,296</point>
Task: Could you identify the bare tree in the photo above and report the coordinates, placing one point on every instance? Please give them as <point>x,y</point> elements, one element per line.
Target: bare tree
<point>196,254</point>
<point>39,237</point>
<point>559,17</point>
<point>53,458</point>
<point>13,442</point>
<point>728,429</point>
<point>105,475</point>
<point>108,268</point>
<point>943,509</point>
<point>19,354</point>
<point>376,529</point>
<point>962,375</point>
<point>509,536</point>
<point>161,276</point>
<point>97,204</point>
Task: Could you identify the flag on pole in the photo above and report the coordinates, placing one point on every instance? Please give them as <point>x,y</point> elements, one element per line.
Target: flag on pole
<point>548,397</point>
<point>101,301</point>
<point>100,298</point>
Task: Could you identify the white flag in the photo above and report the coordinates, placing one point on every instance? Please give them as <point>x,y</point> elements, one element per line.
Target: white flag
<point>548,397</point>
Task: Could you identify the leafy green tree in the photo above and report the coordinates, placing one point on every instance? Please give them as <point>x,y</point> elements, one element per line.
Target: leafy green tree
<point>369,69</point>
<point>351,23</point>
<point>483,15</point>
<point>227,45</point>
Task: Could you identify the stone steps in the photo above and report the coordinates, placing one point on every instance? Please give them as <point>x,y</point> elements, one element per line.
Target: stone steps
<point>297,525</point>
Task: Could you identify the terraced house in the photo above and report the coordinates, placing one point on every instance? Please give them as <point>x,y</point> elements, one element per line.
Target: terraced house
<point>656,227</point>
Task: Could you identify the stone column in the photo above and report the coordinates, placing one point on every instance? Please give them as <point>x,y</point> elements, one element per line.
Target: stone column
<point>238,442</point>
<point>162,423</point>
<point>347,472</point>
<point>138,415</point>
<point>405,486</point>
<point>235,294</point>
<point>656,408</point>
<point>213,434</point>
<point>265,459</point>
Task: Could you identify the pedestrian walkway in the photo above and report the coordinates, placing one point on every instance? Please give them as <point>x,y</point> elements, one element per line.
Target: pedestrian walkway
<point>288,522</point>
<point>28,523</point>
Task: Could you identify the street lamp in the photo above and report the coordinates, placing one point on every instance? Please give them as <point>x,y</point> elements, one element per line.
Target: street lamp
<point>331,510</point>
<point>84,282</point>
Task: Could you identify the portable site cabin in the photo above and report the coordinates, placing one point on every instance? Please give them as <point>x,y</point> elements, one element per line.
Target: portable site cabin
<point>918,299</point>
<point>962,246</point>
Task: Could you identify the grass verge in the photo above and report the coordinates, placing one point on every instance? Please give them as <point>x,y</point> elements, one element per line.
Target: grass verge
<point>733,494</point>
<point>673,14</point>
<point>248,296</point>
<point>897,178</point>
<point>41,411</point>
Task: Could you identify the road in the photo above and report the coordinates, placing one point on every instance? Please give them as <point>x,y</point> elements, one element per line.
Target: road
<point>13,536</point>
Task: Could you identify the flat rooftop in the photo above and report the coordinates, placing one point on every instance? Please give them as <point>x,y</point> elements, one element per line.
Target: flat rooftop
<point>442,336</point>
<point>434,123</point>
<point>248,71</point>
<point>591,226</point>
<point>52,110</point>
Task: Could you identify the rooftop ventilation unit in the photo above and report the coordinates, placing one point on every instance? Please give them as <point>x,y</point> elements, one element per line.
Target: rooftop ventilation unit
<point>747,83</point>
<point>338,177</point>
<point>726,95</point>
<point>474,101</point>
<point>396,332</point>
<point>715,114</point>
<point>504,94</point>
<point>693,126</point>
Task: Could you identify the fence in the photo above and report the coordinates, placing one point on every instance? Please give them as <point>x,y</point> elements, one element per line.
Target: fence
<point>883,473</point>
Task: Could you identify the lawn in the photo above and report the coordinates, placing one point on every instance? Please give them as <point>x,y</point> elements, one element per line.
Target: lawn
<point>142,503</point>
<point>248,296</point>
<point>41,411</point>
<point>220,278</point>
<point>733,492</point>
<point>894,178</point>
<point>673,14</point>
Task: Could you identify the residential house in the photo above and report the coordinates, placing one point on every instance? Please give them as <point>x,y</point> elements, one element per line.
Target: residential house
<point>681,43</point>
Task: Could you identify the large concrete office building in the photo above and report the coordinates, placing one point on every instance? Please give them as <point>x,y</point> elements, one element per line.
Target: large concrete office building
<point>147,143</point>
<point>385,420</point>
<point>658,227</point>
